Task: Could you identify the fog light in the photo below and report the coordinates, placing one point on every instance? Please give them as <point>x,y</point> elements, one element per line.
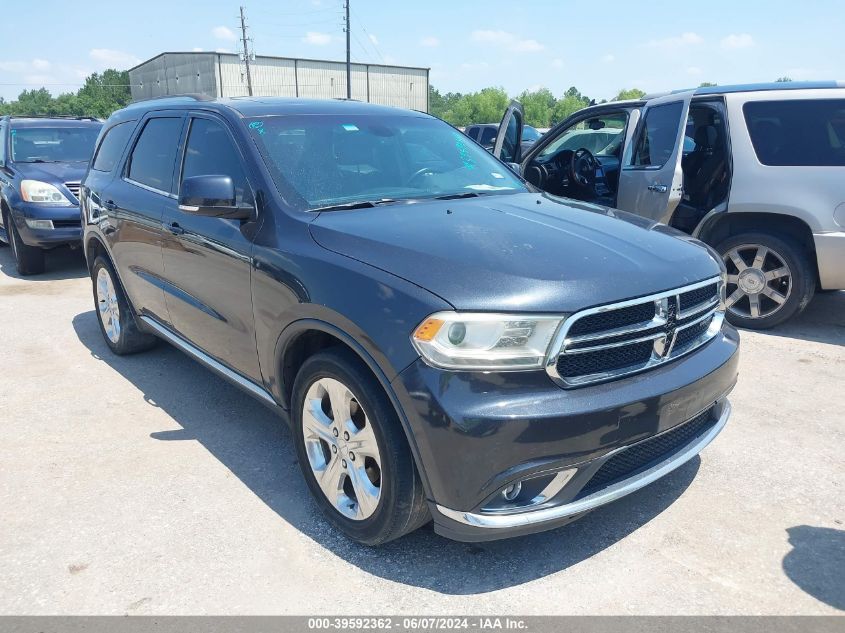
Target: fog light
<point>512,491</point>
<point>39,224</point>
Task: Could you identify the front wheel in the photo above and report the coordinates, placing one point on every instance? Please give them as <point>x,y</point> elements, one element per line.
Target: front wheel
<point>29,260</point>
<point>353,452</point>
<point>770,279</point>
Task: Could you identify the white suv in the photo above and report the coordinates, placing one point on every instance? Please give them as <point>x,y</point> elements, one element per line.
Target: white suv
<point>756,171</point>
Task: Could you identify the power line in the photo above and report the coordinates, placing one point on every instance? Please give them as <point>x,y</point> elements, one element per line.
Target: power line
<point>370,38</point>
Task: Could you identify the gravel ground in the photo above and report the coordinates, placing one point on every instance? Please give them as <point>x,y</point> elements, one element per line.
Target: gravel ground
<point>146,485</point>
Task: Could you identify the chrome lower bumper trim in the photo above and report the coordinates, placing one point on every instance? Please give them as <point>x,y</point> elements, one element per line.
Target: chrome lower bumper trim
<point>600,498</point>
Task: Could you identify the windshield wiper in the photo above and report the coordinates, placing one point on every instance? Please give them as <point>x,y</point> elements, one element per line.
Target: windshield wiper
<point>37,160</point>
<point>361,204</point>
<point>457,196</point>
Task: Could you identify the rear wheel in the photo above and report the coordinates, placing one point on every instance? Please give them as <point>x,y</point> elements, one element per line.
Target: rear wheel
<point>353,452</point>
<point>29,260</point>
<point>117,323</point>
<point>770,279</point>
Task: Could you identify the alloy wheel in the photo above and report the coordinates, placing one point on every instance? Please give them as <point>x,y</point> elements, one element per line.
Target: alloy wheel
<point>342,449</point>
<point>759,281</point>
<point>108,305</point>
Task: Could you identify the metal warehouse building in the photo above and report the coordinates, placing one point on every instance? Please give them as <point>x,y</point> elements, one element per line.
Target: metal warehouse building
<point>222,75</point>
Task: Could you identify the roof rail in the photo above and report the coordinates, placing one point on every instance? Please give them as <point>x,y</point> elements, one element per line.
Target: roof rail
<point>69,117</point>
<point>194,96</point>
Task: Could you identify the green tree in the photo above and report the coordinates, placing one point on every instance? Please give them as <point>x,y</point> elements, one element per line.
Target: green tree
<point>100,95</point>
<point>571,101</point>
<point>629,93</point>
<point>783,80</point>
<point>707,84</point>
<point>539,107</point>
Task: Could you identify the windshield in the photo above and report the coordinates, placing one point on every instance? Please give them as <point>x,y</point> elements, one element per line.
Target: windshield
<point>322,161</point>
<point>53,144</point>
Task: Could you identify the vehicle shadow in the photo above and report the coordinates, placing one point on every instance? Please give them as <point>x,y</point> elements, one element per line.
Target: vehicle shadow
<point>823,321</point>
<point>255,445</point>
<point>816,563</point>
<point>61,263</point>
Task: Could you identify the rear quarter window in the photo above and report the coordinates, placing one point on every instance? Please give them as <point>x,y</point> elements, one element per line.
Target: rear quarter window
<point>111,147</point>
<point>797,133</point>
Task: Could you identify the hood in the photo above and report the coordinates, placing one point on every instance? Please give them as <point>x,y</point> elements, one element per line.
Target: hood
<point>52,172</point>
<point>521,252</point>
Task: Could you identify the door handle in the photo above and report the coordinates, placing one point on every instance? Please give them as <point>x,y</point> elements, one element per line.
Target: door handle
<point>174,228</point>
<point>109,205</point>
<point>658,188</point>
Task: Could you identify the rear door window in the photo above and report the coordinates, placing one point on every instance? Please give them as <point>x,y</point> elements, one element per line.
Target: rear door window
<point>111,147</point>
<point>154,155</point>
<point>488,136</point>
<point>799,133</point>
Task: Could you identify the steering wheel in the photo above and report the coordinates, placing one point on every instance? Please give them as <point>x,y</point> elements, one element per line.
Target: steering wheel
<point>583,167</point>
<point>421,172</point>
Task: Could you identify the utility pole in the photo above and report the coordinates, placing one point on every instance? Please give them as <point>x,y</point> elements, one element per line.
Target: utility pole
<point>246,52</point>
<point>348,63</point>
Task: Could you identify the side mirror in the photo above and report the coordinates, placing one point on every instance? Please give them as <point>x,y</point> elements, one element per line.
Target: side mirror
<point>211,196</point>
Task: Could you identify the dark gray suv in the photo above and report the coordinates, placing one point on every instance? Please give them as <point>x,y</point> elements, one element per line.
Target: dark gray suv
<point>445,342</point>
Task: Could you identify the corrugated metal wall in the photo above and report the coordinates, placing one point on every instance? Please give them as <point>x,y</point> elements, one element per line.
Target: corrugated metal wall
<point>221,74</point>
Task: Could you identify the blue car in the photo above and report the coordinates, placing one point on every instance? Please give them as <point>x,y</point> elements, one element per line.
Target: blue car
<point>42,161</point>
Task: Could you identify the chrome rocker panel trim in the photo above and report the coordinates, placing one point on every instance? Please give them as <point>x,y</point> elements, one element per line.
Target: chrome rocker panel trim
<point>211,363</point>
<point>597,499</point>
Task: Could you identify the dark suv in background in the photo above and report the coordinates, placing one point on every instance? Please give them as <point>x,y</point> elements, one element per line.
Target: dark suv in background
<point>446,342</point>
<point>42,160</point>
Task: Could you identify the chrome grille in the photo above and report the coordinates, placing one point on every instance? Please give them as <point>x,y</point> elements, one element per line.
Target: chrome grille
<point>74,188</point>
<point>615,340</point>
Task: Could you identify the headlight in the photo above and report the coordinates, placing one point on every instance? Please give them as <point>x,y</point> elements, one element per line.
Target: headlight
<point>43,192</point>
<point>488,342</point>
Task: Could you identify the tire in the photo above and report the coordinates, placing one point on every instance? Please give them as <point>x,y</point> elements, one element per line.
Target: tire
<point>780,279</point>
<point>116,318</point>
<point>29,260</point>
<point>390,502</point>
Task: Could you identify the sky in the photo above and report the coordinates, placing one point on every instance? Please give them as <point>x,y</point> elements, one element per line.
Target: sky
<point>598,47</point>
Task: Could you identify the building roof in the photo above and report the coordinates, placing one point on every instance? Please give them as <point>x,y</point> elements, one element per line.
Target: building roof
<point>258,57</point>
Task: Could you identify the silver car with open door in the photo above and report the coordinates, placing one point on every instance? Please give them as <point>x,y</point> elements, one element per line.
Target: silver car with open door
<point>757,172</point>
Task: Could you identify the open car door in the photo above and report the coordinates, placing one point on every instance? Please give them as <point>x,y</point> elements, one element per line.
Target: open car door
<point>509,138</point>
<point>651,181</point>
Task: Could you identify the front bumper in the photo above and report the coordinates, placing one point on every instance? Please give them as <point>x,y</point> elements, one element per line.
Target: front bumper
<point>67,222</point>
<point>830,256</point>
<point>476,433</point>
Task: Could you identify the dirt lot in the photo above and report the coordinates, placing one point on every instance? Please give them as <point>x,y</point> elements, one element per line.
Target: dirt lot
<point>147,485</point>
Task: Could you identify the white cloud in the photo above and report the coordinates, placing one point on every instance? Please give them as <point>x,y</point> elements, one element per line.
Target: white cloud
<point>317,38</point>
<point>557,62</point>
<point>13,67</point>
<point>694,70</point>
<point>608,59</point>
<point>224,33</point>
<point>430,42</point>
<point>40,64</point>
<point>737,40</point>
<point>222,50</point>
<point>684,39</point>
<point>507,40</point>
<point>196,49</point>
<point>373,39</point>
<point>111,58</point>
